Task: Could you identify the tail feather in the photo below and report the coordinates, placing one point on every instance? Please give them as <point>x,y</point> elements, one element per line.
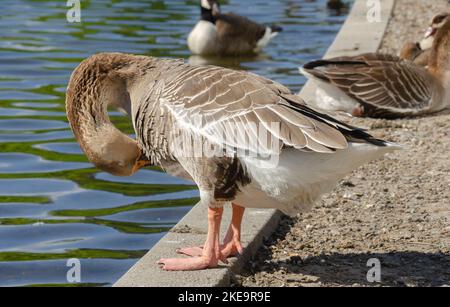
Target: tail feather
<point>276,29</point>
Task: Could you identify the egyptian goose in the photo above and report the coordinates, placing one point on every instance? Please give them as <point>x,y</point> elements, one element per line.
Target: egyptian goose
<point>377,85</point>
<point>241,138</point>
<point>419,52</point>
<point>227,34</point>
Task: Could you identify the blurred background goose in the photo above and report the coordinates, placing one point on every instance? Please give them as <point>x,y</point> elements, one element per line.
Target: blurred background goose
<point>419,52</point>
<point>227,34</point>
<point>337,5</point>
<point>279,153</point>
<point>377,85</point>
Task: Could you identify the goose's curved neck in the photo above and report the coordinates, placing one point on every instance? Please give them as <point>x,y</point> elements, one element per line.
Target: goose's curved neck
<point>209,10</point>
<point>98,82</point>
<point>440,54</point>
<point>207,15</point>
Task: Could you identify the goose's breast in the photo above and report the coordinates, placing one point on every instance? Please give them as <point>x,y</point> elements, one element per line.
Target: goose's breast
<point>203,39</point>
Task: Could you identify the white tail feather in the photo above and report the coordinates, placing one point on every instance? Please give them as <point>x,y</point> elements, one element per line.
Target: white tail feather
<point>302,177</point>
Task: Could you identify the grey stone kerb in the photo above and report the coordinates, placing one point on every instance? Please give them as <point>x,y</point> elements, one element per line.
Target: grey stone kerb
<point>356,36</point>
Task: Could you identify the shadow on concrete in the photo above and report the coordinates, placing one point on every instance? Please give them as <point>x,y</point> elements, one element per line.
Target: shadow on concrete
<point>398,268</point>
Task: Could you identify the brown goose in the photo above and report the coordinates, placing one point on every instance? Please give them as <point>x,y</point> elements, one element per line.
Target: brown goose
<point>243,139</point>
<point>227,34</point>
<point>337,5</point>
<point>420,52</point>
<point>377,85</point>
<point>413,52</point>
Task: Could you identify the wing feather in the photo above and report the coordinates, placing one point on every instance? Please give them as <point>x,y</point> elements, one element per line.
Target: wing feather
<point>238,110</point>
<point>378,80</point>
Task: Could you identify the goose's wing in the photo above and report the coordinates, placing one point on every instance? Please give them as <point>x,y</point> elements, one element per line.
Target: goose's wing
<point>378,81</point>
<point>231,26</point>
<point>368,57</point>
<point>241,110</point>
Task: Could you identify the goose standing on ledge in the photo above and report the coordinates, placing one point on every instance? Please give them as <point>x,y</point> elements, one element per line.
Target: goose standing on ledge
<point>377,85</point>
<point>227,34</point>
<point>420,52</point>
<point>279,153</point>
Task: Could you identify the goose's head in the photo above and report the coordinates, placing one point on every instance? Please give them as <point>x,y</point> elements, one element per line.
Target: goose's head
<point>442,33</point>
<point>440,56</point>
<point>437,22</point>
<point>98,82</point>
<point>119,154</point>
<point>211,6</point>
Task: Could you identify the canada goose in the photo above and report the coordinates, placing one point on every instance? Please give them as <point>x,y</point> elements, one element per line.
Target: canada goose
<point>336,5</point>
<point>227,34</point>
<point>420,52</point>
<point>377,85</point>
<point>269,150</point>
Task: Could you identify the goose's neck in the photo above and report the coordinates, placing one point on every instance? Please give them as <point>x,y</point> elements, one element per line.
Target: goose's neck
<point>207,15</point>
<point>439,62</point>
<point>96,84</point>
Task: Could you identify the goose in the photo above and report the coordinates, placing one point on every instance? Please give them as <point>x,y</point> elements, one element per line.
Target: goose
<point>227,34</point>
<point>385,86</point>
<point>336,5</point>
<point>413,52</point>
<point>243,139</point>
<point>419,52</point>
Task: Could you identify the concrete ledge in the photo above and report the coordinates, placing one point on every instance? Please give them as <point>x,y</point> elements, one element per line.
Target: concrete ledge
<point>356,36</point>
<point>191,231</point>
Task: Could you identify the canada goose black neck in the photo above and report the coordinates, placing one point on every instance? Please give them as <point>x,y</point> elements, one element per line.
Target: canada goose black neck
<point>207,15</point>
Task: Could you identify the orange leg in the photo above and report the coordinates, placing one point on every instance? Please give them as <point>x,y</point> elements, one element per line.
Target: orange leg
<point>231,244</point>
<point>211,253</point>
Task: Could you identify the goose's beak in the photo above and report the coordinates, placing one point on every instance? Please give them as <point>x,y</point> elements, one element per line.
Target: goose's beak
<point>140,163</point>
<point>430,32</point>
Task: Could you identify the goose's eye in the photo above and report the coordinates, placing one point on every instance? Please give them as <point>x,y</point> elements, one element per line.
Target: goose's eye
<point>439,19</point>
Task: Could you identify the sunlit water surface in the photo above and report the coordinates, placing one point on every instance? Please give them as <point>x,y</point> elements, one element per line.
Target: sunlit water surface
<point>53,204</point>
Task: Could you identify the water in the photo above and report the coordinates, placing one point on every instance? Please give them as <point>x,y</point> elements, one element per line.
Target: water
<point>53,204</point>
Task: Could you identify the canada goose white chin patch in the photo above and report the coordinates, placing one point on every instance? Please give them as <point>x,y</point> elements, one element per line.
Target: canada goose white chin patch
<point>205,4</point>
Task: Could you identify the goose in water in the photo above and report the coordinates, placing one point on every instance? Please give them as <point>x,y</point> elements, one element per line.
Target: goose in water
<point>378,85</point>
<point>337,5</point>
<point>419,52</point>
<point>243,139</point>
<point>227,34</point>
